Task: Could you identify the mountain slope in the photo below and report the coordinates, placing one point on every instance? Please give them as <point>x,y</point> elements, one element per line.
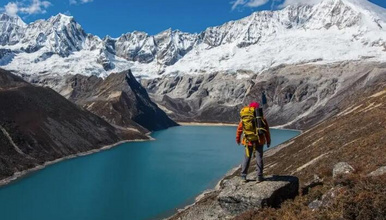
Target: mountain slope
<point>38,125</point>
<point>119,99</point>
<point>298,96</point>
<point>356,135</point>
<point>333,30</point>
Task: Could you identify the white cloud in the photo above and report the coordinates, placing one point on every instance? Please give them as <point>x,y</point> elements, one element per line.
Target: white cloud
<point>11,8</point>
<point>75,2</point>
<point>34,7</point>
<point>248,3</point>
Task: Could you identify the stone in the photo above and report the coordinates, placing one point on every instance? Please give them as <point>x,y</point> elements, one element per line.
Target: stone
<point>233,196</point>
<point>327,199</point>
<point>342,168</point>
<point>378,172</point>
<point>316,204</point>
<point>237,198</point>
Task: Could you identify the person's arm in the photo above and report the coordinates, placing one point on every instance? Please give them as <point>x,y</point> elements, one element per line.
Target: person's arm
<point>239,132</point>
<point>267,134</point>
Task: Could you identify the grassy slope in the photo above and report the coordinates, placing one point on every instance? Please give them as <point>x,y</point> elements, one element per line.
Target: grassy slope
<point>356,135</point>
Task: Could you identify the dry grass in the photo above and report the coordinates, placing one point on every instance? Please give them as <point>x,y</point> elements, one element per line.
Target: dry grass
<point>358,138</point>
<point>357,197</point>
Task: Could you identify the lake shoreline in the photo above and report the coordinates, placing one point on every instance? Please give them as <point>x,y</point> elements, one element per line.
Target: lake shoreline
<point>21,174</point>
<point>229,124</point>
<point>205,124</point>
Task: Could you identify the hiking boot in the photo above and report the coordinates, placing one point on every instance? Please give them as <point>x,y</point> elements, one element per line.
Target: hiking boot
<point>244,178</point>
<point>260,179</point>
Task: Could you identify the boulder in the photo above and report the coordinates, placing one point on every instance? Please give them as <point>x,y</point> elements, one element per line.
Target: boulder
<point>378,172</point>
<point>342,168</point>
<point>327,199</point>
<point>233,196</point>
<point>237,197</point>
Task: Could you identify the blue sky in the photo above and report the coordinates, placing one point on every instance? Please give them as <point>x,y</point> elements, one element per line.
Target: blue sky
<point>115,17</point>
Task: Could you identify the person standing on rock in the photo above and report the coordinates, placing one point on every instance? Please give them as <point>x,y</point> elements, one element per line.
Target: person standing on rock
<point>255,131</point>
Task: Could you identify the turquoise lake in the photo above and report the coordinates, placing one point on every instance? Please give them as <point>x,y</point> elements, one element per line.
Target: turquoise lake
<point>142,180</point>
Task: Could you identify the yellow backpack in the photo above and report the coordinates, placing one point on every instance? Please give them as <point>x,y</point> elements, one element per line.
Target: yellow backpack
<point>253,123</point>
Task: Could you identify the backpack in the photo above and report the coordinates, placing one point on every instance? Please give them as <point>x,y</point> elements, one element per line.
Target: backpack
<point>253,123</point>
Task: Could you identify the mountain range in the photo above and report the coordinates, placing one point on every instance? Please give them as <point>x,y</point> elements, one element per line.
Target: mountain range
<point>331,31</point>
<point>306,59</point>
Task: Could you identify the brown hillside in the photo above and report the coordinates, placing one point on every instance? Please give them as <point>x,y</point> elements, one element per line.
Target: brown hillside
<point>357,135</point>
<point>38,125</point>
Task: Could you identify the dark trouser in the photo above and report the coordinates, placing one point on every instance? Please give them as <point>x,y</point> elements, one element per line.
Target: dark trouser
<point>259,161</point>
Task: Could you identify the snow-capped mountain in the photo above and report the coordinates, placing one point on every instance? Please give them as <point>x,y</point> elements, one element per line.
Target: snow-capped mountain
<point>11,29</point>
<point>333,30</point>
<point>166,47</point>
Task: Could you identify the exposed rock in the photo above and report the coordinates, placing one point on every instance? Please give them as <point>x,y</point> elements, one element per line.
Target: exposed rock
<point>342,168</point>
<point>316,204</point>
<point>326,200</point>
<point>38,125</point>
<point>206,98</point>
<point>378,172</point>
<point>235,197</point>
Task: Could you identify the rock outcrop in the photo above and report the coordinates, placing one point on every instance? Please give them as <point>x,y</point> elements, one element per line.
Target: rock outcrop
<point>342,168</point>
<point>237,198</point>
<point>378,172</point>
<point>38,125</point>
<point>234,197</point>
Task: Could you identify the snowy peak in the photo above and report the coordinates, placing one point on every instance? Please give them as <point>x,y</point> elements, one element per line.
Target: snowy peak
<point>325,15</point>
<point>330,31</point>
<point>346,13</point>
<point>11,29</point>
<point>12,19</point>
<point>59,34</point>
<point>164,48</point>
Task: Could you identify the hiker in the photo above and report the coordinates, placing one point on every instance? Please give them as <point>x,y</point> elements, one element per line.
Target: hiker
<point>255,130</point>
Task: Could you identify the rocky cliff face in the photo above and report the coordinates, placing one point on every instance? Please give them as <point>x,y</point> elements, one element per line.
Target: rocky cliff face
<point>298,96</point>
<point>39,125</point>
<point>119,99</point>
<point>205,98</point>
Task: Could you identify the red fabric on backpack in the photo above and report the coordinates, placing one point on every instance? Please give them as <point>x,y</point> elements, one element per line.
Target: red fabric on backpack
<point>254,105</point>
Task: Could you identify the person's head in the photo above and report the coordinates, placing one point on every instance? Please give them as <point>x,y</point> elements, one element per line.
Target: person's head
<point>254,105</point>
